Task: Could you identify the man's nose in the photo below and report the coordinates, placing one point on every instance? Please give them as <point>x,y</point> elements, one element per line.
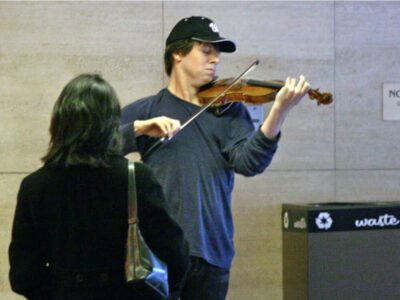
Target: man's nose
<point>214,56</point>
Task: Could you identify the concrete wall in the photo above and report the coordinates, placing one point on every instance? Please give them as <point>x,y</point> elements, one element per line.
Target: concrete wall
<point>341,152</point>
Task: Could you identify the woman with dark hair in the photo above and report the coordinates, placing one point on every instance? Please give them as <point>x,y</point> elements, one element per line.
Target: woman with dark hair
<point>70,224</point>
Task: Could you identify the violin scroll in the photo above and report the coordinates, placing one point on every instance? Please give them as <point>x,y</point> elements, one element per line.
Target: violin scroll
<point>324,98</point>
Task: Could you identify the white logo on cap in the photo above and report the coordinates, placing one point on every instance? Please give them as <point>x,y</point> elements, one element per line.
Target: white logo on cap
<point>213,27</point>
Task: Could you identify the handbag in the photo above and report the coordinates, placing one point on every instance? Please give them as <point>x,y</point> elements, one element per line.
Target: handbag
<point>144,271</point>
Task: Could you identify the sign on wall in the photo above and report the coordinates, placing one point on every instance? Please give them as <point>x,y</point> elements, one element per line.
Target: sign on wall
<point>391,101</point>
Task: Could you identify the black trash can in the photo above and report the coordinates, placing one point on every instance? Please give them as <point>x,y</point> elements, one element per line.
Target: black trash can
<point>341,251</point>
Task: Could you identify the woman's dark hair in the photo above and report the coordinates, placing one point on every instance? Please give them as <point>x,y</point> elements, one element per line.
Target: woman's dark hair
<point>84,123</point>
<point>182,47</point>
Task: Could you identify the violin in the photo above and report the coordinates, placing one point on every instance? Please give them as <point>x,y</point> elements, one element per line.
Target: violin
<point>251,91</point>
<point>226,91</point>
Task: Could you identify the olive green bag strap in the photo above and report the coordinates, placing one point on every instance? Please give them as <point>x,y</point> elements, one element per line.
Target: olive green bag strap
<point>144,271</point>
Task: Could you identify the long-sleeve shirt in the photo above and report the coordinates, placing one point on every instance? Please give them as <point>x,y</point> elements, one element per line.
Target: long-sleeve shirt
<point>196,167</point>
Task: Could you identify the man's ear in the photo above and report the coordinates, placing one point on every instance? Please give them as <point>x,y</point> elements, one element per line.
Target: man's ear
<point>177,57</point>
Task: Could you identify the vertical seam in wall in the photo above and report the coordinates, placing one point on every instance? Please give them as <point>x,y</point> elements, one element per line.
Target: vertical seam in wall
<point>162,41</point>
<point>334,103</point>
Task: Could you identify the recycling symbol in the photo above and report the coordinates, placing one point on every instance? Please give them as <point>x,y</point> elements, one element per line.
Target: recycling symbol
<point>324,220</point>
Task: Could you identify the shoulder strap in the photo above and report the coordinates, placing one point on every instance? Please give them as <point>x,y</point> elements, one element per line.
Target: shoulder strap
<point>132,198</point>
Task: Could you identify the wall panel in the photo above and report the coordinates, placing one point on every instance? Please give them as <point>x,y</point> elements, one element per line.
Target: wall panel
<point>341,152</point>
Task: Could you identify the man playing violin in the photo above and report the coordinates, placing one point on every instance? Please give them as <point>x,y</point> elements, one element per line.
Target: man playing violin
<point>196,167</point>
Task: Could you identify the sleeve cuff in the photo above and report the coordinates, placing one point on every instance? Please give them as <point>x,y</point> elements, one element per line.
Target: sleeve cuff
<point>128,138</point>
<point>260,136</point>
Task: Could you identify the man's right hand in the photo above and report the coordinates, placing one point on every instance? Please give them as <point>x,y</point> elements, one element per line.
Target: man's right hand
<point>157,127</point>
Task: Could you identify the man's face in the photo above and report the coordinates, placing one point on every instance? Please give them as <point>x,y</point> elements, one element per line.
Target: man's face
<point>199,65</point>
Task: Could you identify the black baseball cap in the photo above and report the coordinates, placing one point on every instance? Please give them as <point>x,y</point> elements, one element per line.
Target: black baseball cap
<point>200,29</point>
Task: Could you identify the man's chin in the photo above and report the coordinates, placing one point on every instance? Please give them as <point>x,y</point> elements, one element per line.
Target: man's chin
<point>205,81</point>
<point>209,78</point>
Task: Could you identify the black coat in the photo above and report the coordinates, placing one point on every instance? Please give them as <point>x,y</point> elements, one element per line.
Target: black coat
<point>70,227</point>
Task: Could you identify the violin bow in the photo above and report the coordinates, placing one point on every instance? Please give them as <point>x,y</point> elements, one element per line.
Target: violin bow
<point>194,116</point>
